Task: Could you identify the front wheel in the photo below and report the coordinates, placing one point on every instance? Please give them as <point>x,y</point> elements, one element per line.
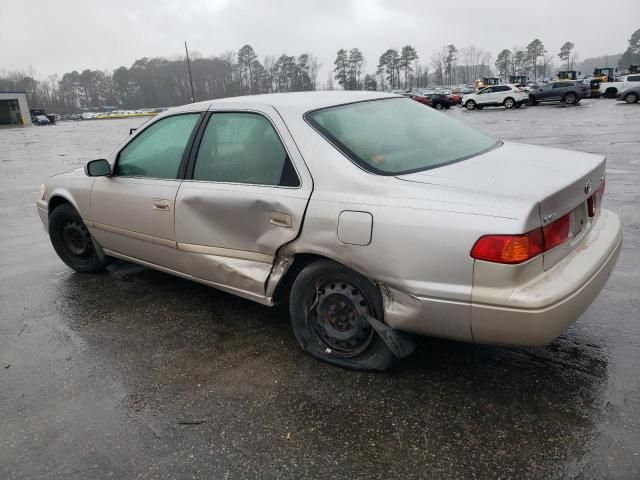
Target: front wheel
<point>532,101</point>
<point>570,99</point>
<point>328,305</point>
<point>631,97</point>
<point>509,103</point>
<point>72,241</point>
<point>470,105</point>
<point>610,93</point>
<point>438,106</point>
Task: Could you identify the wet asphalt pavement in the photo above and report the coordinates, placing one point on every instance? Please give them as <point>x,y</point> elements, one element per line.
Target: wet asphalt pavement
<point>137,374</point>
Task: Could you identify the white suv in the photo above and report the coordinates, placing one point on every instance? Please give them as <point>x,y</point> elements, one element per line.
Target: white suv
<point>507,95</point>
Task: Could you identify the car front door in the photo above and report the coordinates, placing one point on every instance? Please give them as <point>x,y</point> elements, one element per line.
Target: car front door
<point>133,209</point>
<point>244,196</point>
<point>546,92</point>
<point>485,96</point>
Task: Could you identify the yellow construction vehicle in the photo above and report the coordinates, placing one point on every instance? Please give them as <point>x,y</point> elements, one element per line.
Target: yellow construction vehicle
<point>518,79</point>
<point>486,82</point>
<point>567,75</point>
<point>600,75</point>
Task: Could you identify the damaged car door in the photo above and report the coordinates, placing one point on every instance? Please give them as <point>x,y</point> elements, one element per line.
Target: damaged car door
<point>243,197</point>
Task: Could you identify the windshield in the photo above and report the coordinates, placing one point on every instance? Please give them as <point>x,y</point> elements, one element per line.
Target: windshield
<point>396,136</point>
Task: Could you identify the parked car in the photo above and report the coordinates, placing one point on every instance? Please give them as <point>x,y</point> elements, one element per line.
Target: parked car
<point>455,99</point>
<point>506,95</point>
<point>370,216</point>
<point>424,99</point>
<point>611,89</point>
<point>569,92</point>
<point>440,101</point>
<point>631,95</point>
<point>40,120</point>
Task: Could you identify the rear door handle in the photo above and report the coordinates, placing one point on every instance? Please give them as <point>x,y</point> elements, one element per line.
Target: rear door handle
<point>161,204</point>
<point>280,219</point>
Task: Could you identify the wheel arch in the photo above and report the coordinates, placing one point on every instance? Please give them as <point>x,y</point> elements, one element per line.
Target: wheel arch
<point>296,263</point>
<point>56,200</point>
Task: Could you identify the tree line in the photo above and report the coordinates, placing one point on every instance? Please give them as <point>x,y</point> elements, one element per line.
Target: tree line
<point>160,82</point>
<point>155,82</point>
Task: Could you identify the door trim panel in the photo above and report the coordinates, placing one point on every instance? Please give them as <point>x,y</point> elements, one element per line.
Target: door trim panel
<point>226,252</point>
<point>137,235</point>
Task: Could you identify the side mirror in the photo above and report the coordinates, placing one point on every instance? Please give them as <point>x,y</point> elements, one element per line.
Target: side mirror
<point>97,168</point>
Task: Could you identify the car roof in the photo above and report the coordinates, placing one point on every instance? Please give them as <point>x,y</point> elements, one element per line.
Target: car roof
<point>301,102</point>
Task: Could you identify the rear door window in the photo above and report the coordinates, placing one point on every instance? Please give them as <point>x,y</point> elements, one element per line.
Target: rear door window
<point>633,78</point>
<point>243,147</point>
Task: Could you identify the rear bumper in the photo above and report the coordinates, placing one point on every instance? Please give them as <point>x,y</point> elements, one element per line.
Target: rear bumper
<point>534,311</point>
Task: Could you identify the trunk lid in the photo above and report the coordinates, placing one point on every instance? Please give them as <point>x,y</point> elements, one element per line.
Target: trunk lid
<point>556,181</point>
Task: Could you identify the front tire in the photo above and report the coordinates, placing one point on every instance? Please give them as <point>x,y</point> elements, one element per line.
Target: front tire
<point>631,97</point>
<point>509,103</point>
<point>610,93</point>
<point>470,105</point>
<point>327,304</point>
<point>72,241</point>
<point>532,101</point>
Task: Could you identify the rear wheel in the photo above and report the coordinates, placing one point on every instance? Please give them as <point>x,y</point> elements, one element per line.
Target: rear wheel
<point>509,103</point>
<point>570,98</point>
<point>532,101</point>
<point>328,304</point>
<point>438,106</point>
<point>72,241</point>
<point>470,105</point>
<point>610,93</point>
<point>631,97</point>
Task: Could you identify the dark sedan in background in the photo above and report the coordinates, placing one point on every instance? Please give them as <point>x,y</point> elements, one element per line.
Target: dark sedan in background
<point>440,101</point>
<point>567,92</point>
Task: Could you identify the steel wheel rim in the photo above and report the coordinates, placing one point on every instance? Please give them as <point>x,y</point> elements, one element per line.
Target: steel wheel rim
<point>76,238</point>
<point>337,318</point>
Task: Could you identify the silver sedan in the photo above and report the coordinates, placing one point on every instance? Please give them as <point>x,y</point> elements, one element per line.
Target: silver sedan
<point>373,217</point>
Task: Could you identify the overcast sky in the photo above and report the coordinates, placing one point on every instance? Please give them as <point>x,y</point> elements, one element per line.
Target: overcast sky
<point>63,35</point>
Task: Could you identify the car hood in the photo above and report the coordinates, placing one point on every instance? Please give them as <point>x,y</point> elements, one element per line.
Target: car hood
<point>521,177</point>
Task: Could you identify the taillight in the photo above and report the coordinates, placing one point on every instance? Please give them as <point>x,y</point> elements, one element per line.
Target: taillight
<point>557,232</point>
<point>513,249</point>
<point>508,248</point>
<point>594,203</point>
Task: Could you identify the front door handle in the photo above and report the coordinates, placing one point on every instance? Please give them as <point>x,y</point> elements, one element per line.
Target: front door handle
<point>161,204</point>
<point>280,219</point>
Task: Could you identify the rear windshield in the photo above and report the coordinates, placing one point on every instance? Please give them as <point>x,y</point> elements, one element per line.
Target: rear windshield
<point>397,135</point>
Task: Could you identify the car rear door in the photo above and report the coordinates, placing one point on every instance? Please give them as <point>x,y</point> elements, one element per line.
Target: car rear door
<point>559,89</point>
<point>133,209</point>
<point>244,196</point>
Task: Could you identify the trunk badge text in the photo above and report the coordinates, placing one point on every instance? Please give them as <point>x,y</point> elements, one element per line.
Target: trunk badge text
<point>549,218</point>
<point>587,187</point>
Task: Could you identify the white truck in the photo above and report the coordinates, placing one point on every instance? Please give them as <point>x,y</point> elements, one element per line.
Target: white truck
<point>612,89</point>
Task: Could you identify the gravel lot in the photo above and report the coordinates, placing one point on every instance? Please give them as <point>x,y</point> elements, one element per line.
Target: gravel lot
<point>137,374</point>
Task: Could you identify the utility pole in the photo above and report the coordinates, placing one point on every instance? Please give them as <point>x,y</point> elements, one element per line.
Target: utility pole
<point>193,95</point>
